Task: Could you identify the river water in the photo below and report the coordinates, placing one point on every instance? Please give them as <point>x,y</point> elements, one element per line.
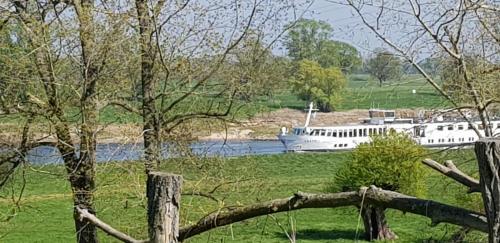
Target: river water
<point>122,152</point>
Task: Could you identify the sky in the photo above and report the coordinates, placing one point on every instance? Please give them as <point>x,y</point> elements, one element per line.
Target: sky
<point>347,27</point>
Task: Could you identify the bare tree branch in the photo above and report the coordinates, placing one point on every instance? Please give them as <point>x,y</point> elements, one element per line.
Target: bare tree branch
<point>84,214</point>
<point>450,170</point>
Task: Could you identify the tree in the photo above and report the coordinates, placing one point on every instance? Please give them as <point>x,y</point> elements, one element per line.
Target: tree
<point>70,59</point>
<point>391,162</point>
<point>306,39</point>
<point>384,66</point>
<point>321,85</point>
<point>347,57</point>
<point>177,76</point>
<point>311,39</point>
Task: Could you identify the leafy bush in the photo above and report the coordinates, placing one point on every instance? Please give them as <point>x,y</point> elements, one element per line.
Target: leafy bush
<point>391,162</point>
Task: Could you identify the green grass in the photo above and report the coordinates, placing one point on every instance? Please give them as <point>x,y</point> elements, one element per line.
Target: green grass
<point>363,93</point>
<point>45,209</point>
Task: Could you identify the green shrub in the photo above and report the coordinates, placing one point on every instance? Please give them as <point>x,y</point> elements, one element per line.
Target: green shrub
<point>391,162</point>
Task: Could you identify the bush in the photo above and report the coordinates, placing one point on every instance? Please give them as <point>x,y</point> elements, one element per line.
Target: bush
<point>391,162</point>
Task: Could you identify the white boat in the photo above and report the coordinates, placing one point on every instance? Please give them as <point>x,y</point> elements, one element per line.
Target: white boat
<point>433,132</point>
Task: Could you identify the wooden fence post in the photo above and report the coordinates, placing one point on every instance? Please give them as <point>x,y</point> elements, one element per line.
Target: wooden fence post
<point>488,158</point>
<point>164,195</point>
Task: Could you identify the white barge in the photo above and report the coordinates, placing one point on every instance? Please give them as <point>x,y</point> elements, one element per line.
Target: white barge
<point>435,132</point>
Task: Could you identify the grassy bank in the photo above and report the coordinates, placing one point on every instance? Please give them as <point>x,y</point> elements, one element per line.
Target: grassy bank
<point>45,210</point>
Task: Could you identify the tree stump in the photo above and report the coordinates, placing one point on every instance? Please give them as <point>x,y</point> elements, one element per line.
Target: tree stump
<point>164,195</point>
<point>488,158</point>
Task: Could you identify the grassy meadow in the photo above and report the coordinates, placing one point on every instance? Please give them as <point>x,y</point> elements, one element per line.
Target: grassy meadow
<point>363,92</point>
<point>44,213</point>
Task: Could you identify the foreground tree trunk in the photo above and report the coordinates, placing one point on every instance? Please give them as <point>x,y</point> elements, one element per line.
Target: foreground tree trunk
<point>164,199</point>
<point>488,158</point>
<point>376,227</point>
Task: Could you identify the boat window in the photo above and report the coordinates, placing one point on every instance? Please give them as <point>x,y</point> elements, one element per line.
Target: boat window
<point>345,133</point>
<point>315,132</point>
<point>380,131</point>
<point>460,127</point>
<point>450,127</point>
<point>389,114</point>
<point>385,130</point>
<point>345,145</point>
<point>498,125</point>
<point>334,133</point>
<point>340,145</point>
<point>322,133</point>
<point>355,132</point>
<point>350,133</point>
<point>440,128</point>
<point>364,132</point>
<point>360,132</point>
<point>341,133</point>
<point>329,133</point>
<point>335,145</point>
<point>470,127</point>
<point>370,131</point>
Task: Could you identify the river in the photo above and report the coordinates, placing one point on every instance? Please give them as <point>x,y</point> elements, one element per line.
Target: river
<point>122,152</point>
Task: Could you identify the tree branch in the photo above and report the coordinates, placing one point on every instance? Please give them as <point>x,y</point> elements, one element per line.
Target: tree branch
<point>84,214</point>
<point>450,170</point>
<point>124,106</point>
<point>436,211</point>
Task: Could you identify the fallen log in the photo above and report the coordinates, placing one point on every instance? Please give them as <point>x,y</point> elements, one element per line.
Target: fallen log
<point>437,212</point>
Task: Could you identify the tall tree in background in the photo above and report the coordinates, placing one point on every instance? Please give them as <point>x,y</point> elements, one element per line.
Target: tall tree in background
<point>306,39</point>
<point>311,40</point>
<point>384,66</point>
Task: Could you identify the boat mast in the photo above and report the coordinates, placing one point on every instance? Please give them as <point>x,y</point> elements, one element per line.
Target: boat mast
<point>308,119</point>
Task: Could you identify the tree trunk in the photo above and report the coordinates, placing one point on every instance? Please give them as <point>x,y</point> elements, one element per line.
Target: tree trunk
<point>164,195</point>
<point>82,175</point>
<point>376,227</point>
<point>488,158</point>
<point>151,125</point>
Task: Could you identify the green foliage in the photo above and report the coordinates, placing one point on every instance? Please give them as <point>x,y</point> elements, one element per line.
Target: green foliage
<point>391,162</point>
<point>310,39</point>
<point>321,85</point>
<point>384,66</point>
<point>306,37</point>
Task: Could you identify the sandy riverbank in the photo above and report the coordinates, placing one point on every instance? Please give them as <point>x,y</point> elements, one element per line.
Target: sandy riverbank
<point>264,126</point>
